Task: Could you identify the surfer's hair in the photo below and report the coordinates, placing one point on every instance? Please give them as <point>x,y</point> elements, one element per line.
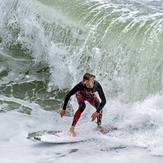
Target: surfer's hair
<point>88,76</point>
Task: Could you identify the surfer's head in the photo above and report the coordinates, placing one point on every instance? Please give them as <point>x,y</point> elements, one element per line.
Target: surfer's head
<point>88,79</point>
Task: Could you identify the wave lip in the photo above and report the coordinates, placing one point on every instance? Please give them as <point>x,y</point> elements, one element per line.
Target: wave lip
<point>120,42</point>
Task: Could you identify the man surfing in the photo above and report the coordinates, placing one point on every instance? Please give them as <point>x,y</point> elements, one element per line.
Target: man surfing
<point>85,91</point>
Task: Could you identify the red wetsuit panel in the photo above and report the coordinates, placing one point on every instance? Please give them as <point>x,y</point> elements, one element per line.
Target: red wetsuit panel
<point>89,96</point>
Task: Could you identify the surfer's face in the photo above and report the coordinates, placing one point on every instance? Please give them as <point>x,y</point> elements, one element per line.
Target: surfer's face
<point>88,83</point>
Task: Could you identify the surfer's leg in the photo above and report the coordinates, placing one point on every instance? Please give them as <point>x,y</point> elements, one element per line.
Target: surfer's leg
<point>99,118</point>
<point>78,112</point>
<point>94,101</point>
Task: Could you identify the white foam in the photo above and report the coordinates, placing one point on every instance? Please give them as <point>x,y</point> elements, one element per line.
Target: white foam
<point>139,137</point>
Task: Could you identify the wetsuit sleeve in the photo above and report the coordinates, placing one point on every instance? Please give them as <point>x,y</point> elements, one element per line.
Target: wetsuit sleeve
<point>72,92</point>
<point>102,97</point>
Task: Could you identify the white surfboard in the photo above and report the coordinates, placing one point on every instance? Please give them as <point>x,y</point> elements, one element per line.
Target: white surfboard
<point>61,138</point>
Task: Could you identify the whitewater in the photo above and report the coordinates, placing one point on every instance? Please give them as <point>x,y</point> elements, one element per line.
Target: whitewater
<point>45,49</point>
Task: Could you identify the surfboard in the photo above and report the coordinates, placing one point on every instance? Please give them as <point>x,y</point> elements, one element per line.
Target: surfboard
<point>61,138</point>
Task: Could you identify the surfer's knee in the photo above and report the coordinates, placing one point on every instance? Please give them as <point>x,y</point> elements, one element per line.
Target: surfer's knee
<point>82,106</point>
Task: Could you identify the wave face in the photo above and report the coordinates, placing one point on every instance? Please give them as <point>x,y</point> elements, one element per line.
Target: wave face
<point>45,48</point>
<point>118,41</point>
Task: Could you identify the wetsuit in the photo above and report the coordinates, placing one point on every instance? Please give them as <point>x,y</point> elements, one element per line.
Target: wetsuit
<point>87,94</point>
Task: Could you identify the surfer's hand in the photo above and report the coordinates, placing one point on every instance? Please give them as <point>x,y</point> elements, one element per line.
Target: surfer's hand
<point>62,113</point>
<point>94,115</point>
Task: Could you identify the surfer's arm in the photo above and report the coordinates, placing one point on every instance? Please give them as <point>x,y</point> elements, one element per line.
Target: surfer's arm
<point>72,92</point>
<point>102,97</point>
<point>63,111</point>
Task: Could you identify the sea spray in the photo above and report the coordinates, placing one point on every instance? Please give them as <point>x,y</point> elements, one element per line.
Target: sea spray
<point>47,46</point>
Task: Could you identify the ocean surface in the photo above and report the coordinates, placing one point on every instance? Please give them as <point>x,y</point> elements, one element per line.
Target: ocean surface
<point>46,46</point>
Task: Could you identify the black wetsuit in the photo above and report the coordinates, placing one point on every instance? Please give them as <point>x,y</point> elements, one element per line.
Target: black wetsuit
<point>85,91</point>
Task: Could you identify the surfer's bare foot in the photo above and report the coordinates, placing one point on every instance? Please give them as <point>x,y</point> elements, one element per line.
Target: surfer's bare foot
<point>72,131</point>
<point>102,128</point>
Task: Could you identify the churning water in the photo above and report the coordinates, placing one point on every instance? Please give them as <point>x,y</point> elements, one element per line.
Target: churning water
<point>47,46</point>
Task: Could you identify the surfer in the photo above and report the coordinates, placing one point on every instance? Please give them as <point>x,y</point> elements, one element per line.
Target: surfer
<point>85,91</point>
